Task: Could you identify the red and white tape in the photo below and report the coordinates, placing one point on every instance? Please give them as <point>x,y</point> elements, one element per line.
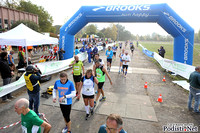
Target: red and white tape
<point>43,115</point>
<point>10,125</point>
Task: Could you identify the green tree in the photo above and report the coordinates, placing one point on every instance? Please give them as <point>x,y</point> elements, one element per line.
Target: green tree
<point>107,32</point>
<point>9,3</point>
<point>113,31</point>
<point>45,19</point>
<point>91,29</point>
<point>57,29</point>
<point>100,34</point>
<point>29,24</point>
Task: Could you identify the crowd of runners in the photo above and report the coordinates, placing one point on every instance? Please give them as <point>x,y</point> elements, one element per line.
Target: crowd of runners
<point>84,87</point>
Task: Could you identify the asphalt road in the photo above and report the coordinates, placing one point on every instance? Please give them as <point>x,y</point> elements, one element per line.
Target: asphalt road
<point>172,110</point>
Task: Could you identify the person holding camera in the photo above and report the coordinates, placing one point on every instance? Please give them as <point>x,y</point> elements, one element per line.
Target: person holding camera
<point>32,78</point>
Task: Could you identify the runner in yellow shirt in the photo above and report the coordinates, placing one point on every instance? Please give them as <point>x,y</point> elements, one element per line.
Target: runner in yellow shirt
<point>78,68</point>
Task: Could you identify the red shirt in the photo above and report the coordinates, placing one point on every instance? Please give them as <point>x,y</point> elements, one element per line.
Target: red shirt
<point>55,49</point>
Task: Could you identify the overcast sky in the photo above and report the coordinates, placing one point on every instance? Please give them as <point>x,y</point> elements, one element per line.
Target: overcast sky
<point>62,10</point>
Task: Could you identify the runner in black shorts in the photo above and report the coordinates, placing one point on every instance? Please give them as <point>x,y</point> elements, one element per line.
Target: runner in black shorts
<point>66,110</point>
<point>125,66</point>
<point>78,69</point>
<point>100,72</point>
<point>109,60</point>
<point>77,78</point>
<point>100,85</point>
<point>66,92</point>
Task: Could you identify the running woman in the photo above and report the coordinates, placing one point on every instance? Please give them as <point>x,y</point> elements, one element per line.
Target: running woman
<point>100,73</point>
<point>126,44</point>
<point>109,54</point>
<point>66,92</point>
<point>121,62</point>
<point>114,48</point>
<point>126,59</point>
<point>120,45</point>
<point>87,86</point>
<point>77,72</point>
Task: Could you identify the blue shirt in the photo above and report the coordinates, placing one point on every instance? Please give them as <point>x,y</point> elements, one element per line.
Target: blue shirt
<point>102,129</point>
<point>89,50</point>
<point>64,89</point>
<point>9,59</point>
<point>82,49</point>
<point>95,50</point>
<point>109,54</point>
<point>114,48</point>
<point>77,51</point>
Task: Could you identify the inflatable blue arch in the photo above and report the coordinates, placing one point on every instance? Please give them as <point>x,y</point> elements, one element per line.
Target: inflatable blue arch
<point>161,14</point>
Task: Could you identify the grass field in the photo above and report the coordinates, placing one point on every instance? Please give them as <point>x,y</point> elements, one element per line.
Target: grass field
<point>168,46</point>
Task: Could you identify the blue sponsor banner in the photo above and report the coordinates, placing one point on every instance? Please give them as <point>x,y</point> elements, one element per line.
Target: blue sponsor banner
<point>148,53</point>
<point>161,14</point>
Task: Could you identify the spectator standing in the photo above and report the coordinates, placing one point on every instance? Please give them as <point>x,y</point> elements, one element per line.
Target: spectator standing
<point>21,58</point>
<point>32,77</point>
<point>194,81</point>
<point>83,49</point>
<point>55,49</point>
<point>89,51</point>
<point>6,74</point>
<point>11,60</point>
<point>161,51</point>
<point>30,48</point>
<point>60,54</point>
<point>3,47</point>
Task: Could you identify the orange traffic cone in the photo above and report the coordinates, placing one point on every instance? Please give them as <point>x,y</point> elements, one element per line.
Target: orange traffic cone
<point>160,99</point>
<point>163,79</point>
<point>145,85</point>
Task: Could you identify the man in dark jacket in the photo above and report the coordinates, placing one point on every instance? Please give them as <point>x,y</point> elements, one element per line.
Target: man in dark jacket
<point>6,73</point>
<point>161,51</point>
<point>60,54</point>
<point>194,81</point>
<point>32,77</point>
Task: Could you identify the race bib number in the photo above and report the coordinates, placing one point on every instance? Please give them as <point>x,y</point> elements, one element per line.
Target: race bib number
<point>98,75</point>
<point>64,101</point>
<point>76,68</point>
<point>108,53</point>
<point>24,129</point>
<point>89,89</point>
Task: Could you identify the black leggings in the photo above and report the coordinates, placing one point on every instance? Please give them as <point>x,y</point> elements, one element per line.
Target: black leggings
<point>66,110</point>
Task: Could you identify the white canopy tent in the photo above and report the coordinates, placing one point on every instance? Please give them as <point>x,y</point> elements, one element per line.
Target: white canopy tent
<point>24,36</point>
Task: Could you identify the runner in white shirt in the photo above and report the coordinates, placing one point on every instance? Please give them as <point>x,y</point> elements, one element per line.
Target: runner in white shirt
<point>121,62</point>
<point>126,59</point>
<point>87,86</point>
